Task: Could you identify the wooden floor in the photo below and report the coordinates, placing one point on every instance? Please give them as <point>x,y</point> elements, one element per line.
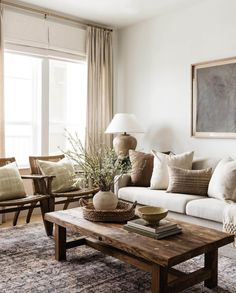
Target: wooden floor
<point>21,221</point>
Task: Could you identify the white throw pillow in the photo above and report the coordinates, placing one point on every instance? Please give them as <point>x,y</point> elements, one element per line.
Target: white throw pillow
<point>160,175</point>
<point>223,181</point>
<point>11,184</point>
<point>64,172</point>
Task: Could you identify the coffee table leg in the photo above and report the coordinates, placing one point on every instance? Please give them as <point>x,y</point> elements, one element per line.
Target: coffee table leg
<point>60,243</point>
<point>159,279</point>
<point>211,262</point>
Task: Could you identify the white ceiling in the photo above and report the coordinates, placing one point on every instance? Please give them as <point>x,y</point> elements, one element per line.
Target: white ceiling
<point>114,13</point>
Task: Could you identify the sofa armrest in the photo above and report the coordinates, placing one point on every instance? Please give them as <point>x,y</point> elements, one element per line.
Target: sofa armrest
<point>121,181</point>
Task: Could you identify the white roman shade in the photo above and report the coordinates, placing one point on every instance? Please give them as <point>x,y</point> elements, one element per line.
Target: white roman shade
<point>29,31</point>
<point>25,28</point>
<point>66,38</point>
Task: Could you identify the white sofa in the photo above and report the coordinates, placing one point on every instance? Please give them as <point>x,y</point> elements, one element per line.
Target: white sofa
<point>194,206</point>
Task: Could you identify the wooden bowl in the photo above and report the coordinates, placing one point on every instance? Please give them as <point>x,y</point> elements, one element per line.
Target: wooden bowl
<point>151,214</point>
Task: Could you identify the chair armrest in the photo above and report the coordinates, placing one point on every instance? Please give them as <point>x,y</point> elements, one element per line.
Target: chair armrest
<point>121,181</point>
<point>36,176</point>
<point>42,183</point>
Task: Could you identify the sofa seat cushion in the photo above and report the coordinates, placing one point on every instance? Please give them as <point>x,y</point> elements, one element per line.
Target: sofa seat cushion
<point>174,202</point>
<point>207,208</point>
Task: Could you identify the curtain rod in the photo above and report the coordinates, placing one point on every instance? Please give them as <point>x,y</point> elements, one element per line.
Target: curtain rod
<point>53,14</point>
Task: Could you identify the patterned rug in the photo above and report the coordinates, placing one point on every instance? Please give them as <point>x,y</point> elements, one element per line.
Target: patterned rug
<point>27,264</point>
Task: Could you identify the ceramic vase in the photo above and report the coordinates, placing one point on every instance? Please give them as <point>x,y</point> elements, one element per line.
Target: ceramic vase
<point>105,200</point>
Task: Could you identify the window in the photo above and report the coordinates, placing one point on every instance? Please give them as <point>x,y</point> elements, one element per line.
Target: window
<point>23,85</point>
<point>42,98</point>
<point>66,110</point>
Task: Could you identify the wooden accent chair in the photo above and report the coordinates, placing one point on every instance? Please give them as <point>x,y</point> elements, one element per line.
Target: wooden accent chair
<point>27,203</point>
<point>66,197</point>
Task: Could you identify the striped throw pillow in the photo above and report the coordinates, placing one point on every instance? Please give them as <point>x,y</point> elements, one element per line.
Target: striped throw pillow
<point>189,181</point>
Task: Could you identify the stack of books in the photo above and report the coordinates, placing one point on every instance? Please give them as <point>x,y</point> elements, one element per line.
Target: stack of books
<point>163,229</point>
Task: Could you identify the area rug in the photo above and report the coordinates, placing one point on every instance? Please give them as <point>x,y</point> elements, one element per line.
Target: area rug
<point>27,264</point>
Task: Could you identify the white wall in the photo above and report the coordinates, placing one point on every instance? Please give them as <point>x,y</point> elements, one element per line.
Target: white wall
<point>153,72</point>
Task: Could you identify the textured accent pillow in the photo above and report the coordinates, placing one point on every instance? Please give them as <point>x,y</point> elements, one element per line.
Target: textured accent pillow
<point>189,181</point>
<point>160,176</point>
<point>142,166</point>
<point>223,181</point>
<point>64,172</point>
<point>11,184</point>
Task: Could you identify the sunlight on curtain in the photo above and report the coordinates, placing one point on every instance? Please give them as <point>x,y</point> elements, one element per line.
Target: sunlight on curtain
<point>100,85</point>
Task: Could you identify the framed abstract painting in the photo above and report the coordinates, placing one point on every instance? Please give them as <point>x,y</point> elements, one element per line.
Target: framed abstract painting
<point>214,99</point>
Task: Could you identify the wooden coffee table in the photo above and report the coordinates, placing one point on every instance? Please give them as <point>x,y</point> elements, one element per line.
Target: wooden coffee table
<point>155,256</point>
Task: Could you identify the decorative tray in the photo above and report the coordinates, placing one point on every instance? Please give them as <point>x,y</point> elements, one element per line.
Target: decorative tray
<point>123,212</point>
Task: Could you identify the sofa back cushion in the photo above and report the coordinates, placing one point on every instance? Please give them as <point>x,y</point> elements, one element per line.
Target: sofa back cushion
<point>142,166</point>
<point>204,163</point>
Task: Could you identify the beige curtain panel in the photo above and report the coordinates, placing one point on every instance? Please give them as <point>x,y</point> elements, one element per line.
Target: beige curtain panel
<point>2,135</point>
<point>100,85</point>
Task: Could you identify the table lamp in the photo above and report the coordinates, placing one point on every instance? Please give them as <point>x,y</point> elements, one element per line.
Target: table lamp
<point>123,123</point>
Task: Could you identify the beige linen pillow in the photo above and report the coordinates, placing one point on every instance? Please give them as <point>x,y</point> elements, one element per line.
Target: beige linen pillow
<point>189,181</point>
<point>64,172</point>
<point>160,176</point>
<point>223,181</point>
<point>11,184</point>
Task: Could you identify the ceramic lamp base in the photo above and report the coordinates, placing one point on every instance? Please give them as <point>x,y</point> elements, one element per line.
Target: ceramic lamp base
<point>122,143</point>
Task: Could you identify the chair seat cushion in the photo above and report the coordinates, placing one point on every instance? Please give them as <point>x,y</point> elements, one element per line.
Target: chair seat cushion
<point>175,202</point>
<point>11,184</point>
<point>64,172</point>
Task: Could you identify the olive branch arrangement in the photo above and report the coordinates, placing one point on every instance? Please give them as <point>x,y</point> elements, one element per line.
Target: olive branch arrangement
<point>99,164</point>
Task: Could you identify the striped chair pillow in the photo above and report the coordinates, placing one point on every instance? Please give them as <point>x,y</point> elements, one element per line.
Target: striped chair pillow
<point>64,172</point>
<point>189,181</point>
<point>11,184</point>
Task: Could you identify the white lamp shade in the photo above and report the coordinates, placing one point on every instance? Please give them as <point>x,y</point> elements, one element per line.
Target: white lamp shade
<point>124,122</point>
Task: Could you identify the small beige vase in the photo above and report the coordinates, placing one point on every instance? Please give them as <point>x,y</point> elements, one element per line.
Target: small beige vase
<point>105,200</point>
